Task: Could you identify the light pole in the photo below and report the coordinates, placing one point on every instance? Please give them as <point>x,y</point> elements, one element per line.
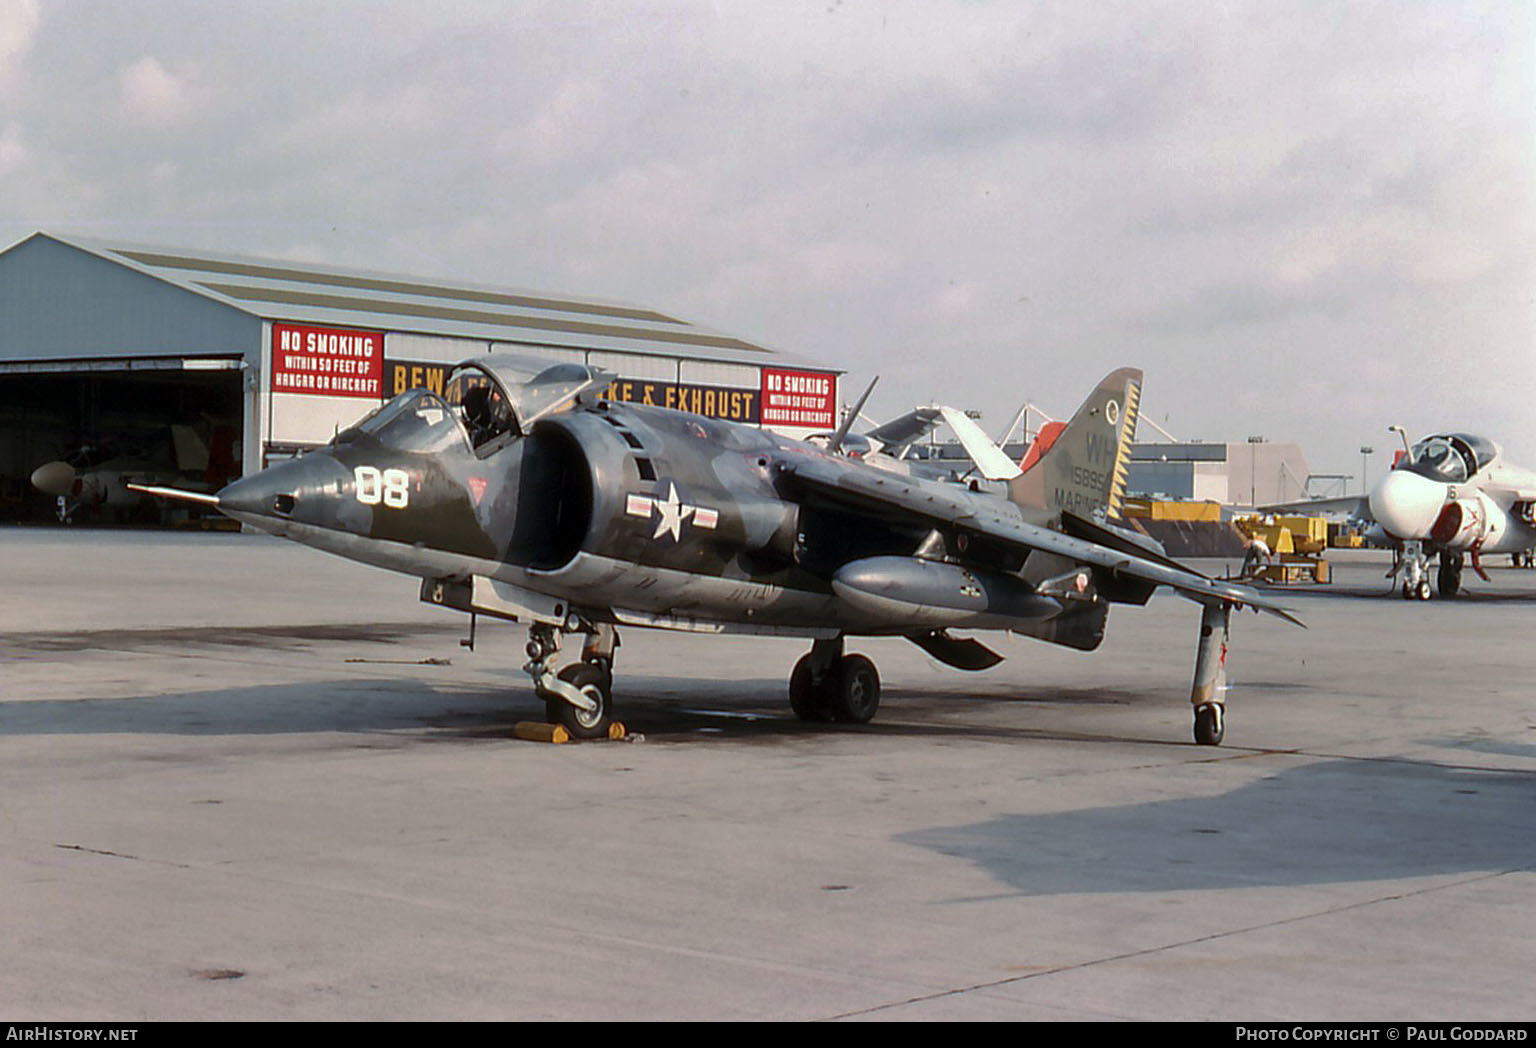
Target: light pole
<point>1365,449</point>
<point>1253,469</point>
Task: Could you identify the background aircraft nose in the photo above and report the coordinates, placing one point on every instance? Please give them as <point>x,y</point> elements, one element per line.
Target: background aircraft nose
<point>54,478</point>
<point>1406,504</point>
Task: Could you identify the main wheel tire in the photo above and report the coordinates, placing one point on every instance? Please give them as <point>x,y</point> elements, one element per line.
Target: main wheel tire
<point>1210,725</point>
<point>1449,576</point>
<point>857,693</point>
<point>805,698</point>
<point>592,682</point>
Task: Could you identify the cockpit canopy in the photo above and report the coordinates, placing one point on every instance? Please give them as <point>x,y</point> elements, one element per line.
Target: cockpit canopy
<point>1451,458</point>
<point>503,395</point>
<point>486,403</point>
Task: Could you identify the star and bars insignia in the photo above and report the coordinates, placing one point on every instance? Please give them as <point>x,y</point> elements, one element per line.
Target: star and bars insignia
<point>670,512</point>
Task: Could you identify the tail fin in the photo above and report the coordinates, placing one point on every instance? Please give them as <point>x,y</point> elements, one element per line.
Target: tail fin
<point>1083,470</point>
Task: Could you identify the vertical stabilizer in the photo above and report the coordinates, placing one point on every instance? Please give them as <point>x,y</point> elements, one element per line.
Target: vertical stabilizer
<point>1084,469</point>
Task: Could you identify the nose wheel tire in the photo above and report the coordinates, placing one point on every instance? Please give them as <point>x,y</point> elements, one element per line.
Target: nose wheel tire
<point>1209,725</point>
<point>592,682</point>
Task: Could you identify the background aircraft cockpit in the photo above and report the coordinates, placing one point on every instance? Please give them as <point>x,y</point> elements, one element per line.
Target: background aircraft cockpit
<point>1450,458</point>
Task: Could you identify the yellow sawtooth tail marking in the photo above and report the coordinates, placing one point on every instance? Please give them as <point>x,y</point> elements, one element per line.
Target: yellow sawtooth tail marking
<point>1123,452</point>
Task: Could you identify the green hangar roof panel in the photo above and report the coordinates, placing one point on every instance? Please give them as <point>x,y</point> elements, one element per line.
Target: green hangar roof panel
<point>297,292</point>
<point>159,260</point>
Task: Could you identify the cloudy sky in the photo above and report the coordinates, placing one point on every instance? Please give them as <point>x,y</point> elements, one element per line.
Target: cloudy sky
<point>1304,220</point>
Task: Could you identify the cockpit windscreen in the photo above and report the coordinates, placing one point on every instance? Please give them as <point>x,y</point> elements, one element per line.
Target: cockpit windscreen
<point>417,421</point>
<point>1438,458</point>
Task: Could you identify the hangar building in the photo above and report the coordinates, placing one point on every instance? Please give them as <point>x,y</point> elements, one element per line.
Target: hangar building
<point>1256,473</point>
<point>132,351</point>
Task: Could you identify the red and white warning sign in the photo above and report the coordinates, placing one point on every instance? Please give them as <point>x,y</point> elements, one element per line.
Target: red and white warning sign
<point>327,362</point>
<point>792,397</point>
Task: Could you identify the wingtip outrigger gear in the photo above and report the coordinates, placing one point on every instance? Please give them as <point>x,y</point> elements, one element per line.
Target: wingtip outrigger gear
<point>1209,692</point>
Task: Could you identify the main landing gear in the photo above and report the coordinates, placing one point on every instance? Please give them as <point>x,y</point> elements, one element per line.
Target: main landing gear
<point>578,696</point>
<point>1414,565</point>
<point>827,685</point>
<point>1449,578</point>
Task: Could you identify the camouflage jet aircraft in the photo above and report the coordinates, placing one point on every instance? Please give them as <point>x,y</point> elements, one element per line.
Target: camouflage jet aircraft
<point>522,493</point>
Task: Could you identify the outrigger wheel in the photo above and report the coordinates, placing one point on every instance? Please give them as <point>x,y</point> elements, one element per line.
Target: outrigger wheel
<point>827,685</point>
<point>1209,726</point>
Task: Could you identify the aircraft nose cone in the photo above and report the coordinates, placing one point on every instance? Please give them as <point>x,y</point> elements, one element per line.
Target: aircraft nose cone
<point>54,478</point>
<point>268,499</point>
<point>256,495</point>
<point>1406,504</point>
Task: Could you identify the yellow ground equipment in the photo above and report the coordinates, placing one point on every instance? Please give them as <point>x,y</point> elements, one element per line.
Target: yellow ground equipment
<point>1167,509</point>
<point>1345,536</point>
<point>1296,545</point>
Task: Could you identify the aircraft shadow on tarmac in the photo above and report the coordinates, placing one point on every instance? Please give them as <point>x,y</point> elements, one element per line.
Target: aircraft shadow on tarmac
<point>1330,822</point>
<point>665,709</point>
<point>348,705</point>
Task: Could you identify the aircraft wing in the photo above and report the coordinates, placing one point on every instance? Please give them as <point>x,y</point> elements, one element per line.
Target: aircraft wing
<point>904,430</point>
<point>989,458</point>
<point>899,499</point>
<point>1351,507</point>
<point>1509,494</point>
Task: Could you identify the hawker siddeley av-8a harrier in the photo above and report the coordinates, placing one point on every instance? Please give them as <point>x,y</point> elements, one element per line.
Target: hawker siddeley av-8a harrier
<point>523,493</point>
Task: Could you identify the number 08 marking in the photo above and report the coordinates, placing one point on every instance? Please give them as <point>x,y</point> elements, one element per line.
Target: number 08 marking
<point>390,486</point>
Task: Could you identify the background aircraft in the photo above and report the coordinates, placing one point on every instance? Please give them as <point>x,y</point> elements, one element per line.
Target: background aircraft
<point>893,445</point>
<point>100,478</point>
<point>1451,495</point>
<point>523,494</point>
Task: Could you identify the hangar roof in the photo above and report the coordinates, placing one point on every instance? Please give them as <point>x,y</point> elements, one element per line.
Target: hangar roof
<point>297,292</point>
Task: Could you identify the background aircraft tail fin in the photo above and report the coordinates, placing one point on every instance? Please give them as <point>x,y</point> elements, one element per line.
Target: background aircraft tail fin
<point>1081,467</point>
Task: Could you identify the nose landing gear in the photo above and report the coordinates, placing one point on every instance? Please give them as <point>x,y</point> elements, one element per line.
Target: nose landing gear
<point>578,696</point>
<point>1415,568</point>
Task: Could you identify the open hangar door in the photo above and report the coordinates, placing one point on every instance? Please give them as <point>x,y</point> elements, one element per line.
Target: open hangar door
<point>96,427</point>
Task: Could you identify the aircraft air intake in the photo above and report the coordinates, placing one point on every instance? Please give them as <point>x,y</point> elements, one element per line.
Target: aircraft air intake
<point>1466,523</point>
